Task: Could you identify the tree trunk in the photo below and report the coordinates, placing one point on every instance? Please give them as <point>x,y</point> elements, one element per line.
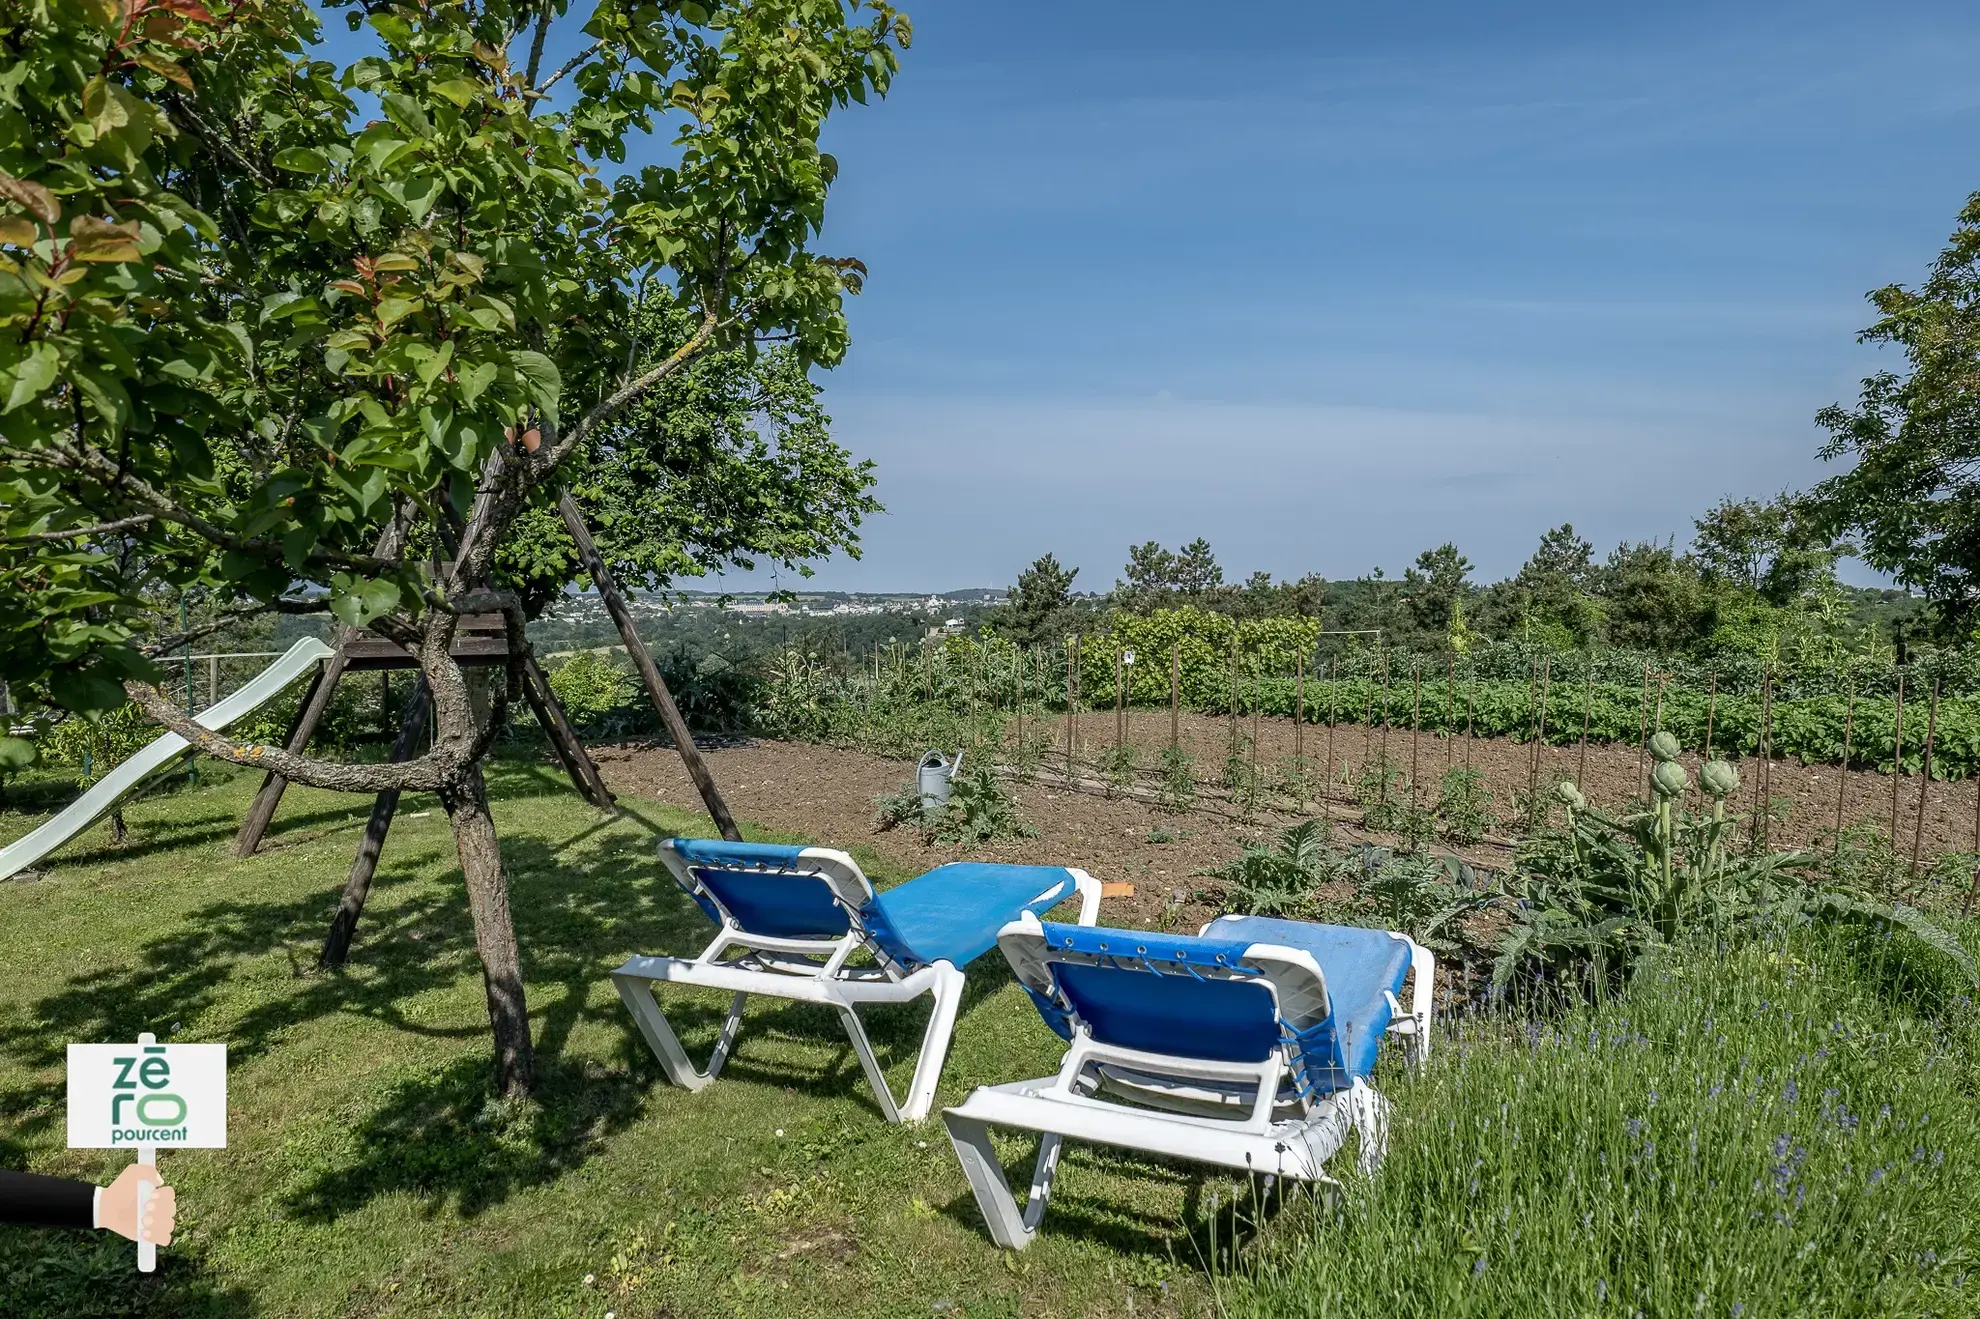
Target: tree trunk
<point>357,888</point>
<point>466,804</point>
<point>117,830</point>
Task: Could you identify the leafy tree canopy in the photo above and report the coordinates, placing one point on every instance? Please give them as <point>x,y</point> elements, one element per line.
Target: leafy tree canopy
<point>1913,493</point>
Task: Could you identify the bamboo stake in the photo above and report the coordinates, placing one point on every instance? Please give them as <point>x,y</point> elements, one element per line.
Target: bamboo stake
<point>1924,780</point>
<point>1368,723</point>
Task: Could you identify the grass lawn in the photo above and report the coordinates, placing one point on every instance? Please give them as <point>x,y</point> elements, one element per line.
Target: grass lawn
<point>1787,1126</point>
<point>366,1174</point>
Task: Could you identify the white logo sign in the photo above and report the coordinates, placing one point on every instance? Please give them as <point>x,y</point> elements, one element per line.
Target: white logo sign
<point>167,1095</point>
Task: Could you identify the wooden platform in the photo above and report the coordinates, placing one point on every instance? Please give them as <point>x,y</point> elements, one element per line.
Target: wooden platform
<point>481,639</point>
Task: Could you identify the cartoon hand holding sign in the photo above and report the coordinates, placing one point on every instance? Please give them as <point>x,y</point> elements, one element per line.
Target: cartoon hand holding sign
<point>145,1096</point>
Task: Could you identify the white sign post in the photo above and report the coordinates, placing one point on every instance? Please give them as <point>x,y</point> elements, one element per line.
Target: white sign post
<point>145,1097</point>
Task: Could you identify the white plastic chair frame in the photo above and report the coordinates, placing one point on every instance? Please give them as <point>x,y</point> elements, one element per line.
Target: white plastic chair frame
<point>1242,1116</point>
<point>806,971</point>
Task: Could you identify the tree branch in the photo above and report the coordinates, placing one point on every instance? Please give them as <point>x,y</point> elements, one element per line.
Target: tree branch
<point>426,774</point>
<point>79,533</point>
<point>568,65</point>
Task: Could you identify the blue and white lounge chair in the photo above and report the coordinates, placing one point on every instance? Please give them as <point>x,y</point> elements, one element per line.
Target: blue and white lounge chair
<point>1248,1046</point>
<point>791,920</point>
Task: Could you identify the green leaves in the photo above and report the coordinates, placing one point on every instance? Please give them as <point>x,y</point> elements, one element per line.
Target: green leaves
<point>356,601</point>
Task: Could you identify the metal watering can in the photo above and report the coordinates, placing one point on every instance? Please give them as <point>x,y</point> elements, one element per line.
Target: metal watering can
<point>931,778</point>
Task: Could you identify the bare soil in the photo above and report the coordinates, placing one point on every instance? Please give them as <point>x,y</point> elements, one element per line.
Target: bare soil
<point>827,794</point>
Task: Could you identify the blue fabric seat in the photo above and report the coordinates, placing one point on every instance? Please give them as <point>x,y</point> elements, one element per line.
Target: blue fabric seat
<point>1363,967</point>
<point>952,913</point>
<point>1142,993</point>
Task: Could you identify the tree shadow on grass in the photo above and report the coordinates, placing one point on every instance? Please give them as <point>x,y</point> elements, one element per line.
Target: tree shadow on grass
<point>48,1273</point>
<point>1222,1212</point>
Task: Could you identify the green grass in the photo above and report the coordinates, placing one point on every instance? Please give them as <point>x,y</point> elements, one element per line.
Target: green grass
<point>1779,1130</point>
<point>1748,1128</point>
<point>366,1173</point>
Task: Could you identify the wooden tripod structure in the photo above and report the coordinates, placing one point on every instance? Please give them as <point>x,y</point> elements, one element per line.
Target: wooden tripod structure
<point>482,640</point>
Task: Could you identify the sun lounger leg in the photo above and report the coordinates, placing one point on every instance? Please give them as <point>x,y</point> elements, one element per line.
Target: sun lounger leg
<point>1010,1227</point>
<point>934,1043</point>
<point>876,1078</point>
<point>636,992</point>
<point>1369,1113</point>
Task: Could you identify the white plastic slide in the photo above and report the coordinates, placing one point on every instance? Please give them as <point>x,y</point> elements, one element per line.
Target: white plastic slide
<point>82,812</point>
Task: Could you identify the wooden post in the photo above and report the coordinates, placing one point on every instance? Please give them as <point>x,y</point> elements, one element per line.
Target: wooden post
<point>1368,722</point>
<point>649,673</point>
<point>1069,709</point>
<point>357,888</point>
<point>1587,712</point>
<point>1897,758</point>
<point>1924,780</point>
<point>564,740</point>
<point>1842,778</point>
<point>1257,711</point>
<point>255,823</point>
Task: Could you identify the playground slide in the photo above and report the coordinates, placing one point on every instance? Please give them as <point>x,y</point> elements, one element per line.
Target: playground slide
<point>82,812</point>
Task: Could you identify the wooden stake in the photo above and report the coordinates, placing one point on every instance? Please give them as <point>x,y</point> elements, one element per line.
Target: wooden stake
<point>1299,712</point>
<point>1072,645</point>
<point>1587,712</point>
<point>1416,726</point>
<point>1234,691</point>
<point>1450,707</point>
<point>1842,779</point>
<point>1175,695</point>
<point>1540,742</point>
<point>357,887</point>
<point>1966,910</point>
<point>1643,734</point>
<point>1333,708</point>
<point>1120,701</point>
<point>1924,780</point>
<point>1711,709</point>
<point>1385,718</point>
<point>1532,725</point>
<point>1897,758</point>
<point>1765,812</point>
<point>649,673</point>
<point>1470,691</point>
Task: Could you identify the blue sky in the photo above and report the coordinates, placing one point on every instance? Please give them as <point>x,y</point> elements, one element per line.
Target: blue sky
<point>1330,286</point>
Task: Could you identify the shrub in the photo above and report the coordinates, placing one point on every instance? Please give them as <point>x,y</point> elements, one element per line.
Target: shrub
<point>1464,805</point>
<point>595,692</point>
